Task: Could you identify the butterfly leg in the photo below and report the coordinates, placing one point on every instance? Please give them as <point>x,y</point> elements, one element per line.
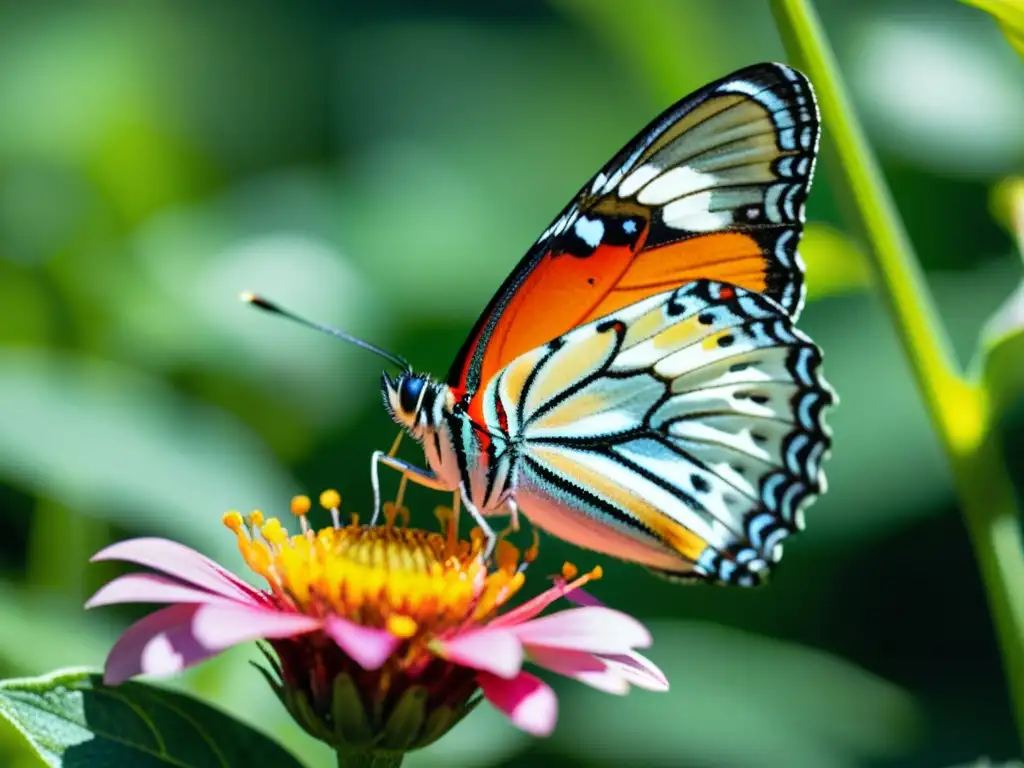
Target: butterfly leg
<point>510,508</point>
<point>418,475</point>
<point>513,512</point>
<point>478,518</point>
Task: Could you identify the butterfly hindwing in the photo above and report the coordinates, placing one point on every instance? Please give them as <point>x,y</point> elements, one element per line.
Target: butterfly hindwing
<point>714,189</point>
<point>687,429</point>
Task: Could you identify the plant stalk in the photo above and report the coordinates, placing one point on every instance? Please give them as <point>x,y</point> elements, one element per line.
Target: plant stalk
<point>958,408</point>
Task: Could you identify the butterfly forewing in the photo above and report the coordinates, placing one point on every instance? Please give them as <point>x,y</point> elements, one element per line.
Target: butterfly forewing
<point>685,431</point>
<point>712,189</point>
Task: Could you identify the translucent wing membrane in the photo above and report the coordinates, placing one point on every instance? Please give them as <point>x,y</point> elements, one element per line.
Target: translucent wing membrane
<point>685,431</point>
<point>712,189</point>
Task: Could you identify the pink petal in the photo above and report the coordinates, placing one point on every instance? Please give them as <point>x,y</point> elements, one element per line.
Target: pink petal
<point>532,608</point>
<point>160,644</point>
<point>367,646</point>
<point>597,630</point>
<point>585,667</point>
<point>181,562</point>
<point>491,650</point>
<point>221,626</point>
<point>530,704</point>
<point>637,670</point>
<point>151,588</point>
<point>529,609</point>
<point>175,638</point>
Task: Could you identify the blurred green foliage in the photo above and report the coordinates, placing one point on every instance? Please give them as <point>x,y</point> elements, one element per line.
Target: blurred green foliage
<point>381,168</point>
<point>1010,15</point>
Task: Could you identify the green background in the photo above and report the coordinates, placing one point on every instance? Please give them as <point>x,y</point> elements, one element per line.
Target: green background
<point>381,167</point>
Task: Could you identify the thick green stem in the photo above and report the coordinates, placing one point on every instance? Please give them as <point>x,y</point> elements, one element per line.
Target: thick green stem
<point>862,193</point>
<point>370,759</point>
<point>957,407</point>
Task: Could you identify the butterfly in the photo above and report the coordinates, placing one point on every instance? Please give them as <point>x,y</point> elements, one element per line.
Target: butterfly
<point>637,386</point>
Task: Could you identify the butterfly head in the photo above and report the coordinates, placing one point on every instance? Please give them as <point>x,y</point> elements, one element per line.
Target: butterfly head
<point>404,396</point>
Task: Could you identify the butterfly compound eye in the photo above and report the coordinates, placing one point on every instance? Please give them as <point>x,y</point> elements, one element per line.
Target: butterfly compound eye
<point>409,393</point>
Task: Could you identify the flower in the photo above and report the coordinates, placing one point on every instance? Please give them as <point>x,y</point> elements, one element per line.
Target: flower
<point>382,635</point>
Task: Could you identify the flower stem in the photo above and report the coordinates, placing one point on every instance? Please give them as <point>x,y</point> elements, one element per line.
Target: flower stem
<point>958,408</point>
<point>370,759</point>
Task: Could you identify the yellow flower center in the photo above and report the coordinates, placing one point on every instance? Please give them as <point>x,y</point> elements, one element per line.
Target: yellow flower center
<point>412,582</point>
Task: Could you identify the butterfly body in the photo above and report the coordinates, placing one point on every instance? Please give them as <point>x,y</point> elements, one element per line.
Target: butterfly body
<point>637,385</point>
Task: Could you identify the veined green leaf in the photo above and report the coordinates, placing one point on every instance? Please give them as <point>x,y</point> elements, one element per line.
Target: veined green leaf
<point>71,719</point>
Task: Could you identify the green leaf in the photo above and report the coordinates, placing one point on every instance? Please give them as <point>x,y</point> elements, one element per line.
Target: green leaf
<point>1001,352</point>
<point>465,133</point>
<point>278,236</point>
<point>102,438</point>
<point>71,719</point>
<point>35,628</point>
<point>645,34</point>
<point>1007,204</point>
<point>1010,15</point>
<point>835,264</point>
<point>741,699</point>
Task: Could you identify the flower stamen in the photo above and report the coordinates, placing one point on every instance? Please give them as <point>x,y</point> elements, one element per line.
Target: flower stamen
<point>531,553</point>
<point>414,584</point>
<point>233,521</point>
<point>402,626</point>
<point>300,508</point>
<point>402,485</point>
<point>331,500</point>
<point>255,521</point>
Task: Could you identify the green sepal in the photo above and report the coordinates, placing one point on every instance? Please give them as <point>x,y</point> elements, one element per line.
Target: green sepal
<point>351,724</point>
<point>275,683</point>
<point>304,714</point>
<point>443,719</point>
<point>403,727</point>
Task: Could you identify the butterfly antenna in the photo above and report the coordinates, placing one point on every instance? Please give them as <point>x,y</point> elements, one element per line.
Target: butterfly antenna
<point>274,309</point>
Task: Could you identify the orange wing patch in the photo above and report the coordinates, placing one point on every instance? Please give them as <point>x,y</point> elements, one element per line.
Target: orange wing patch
<point>730,257</point>
<point>556,296</point>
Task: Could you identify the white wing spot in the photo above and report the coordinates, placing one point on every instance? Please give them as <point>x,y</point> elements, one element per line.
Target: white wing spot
<point>637,179</point>
<point>590,231</point>
<point>692,213</point>
<point>674,184</point>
